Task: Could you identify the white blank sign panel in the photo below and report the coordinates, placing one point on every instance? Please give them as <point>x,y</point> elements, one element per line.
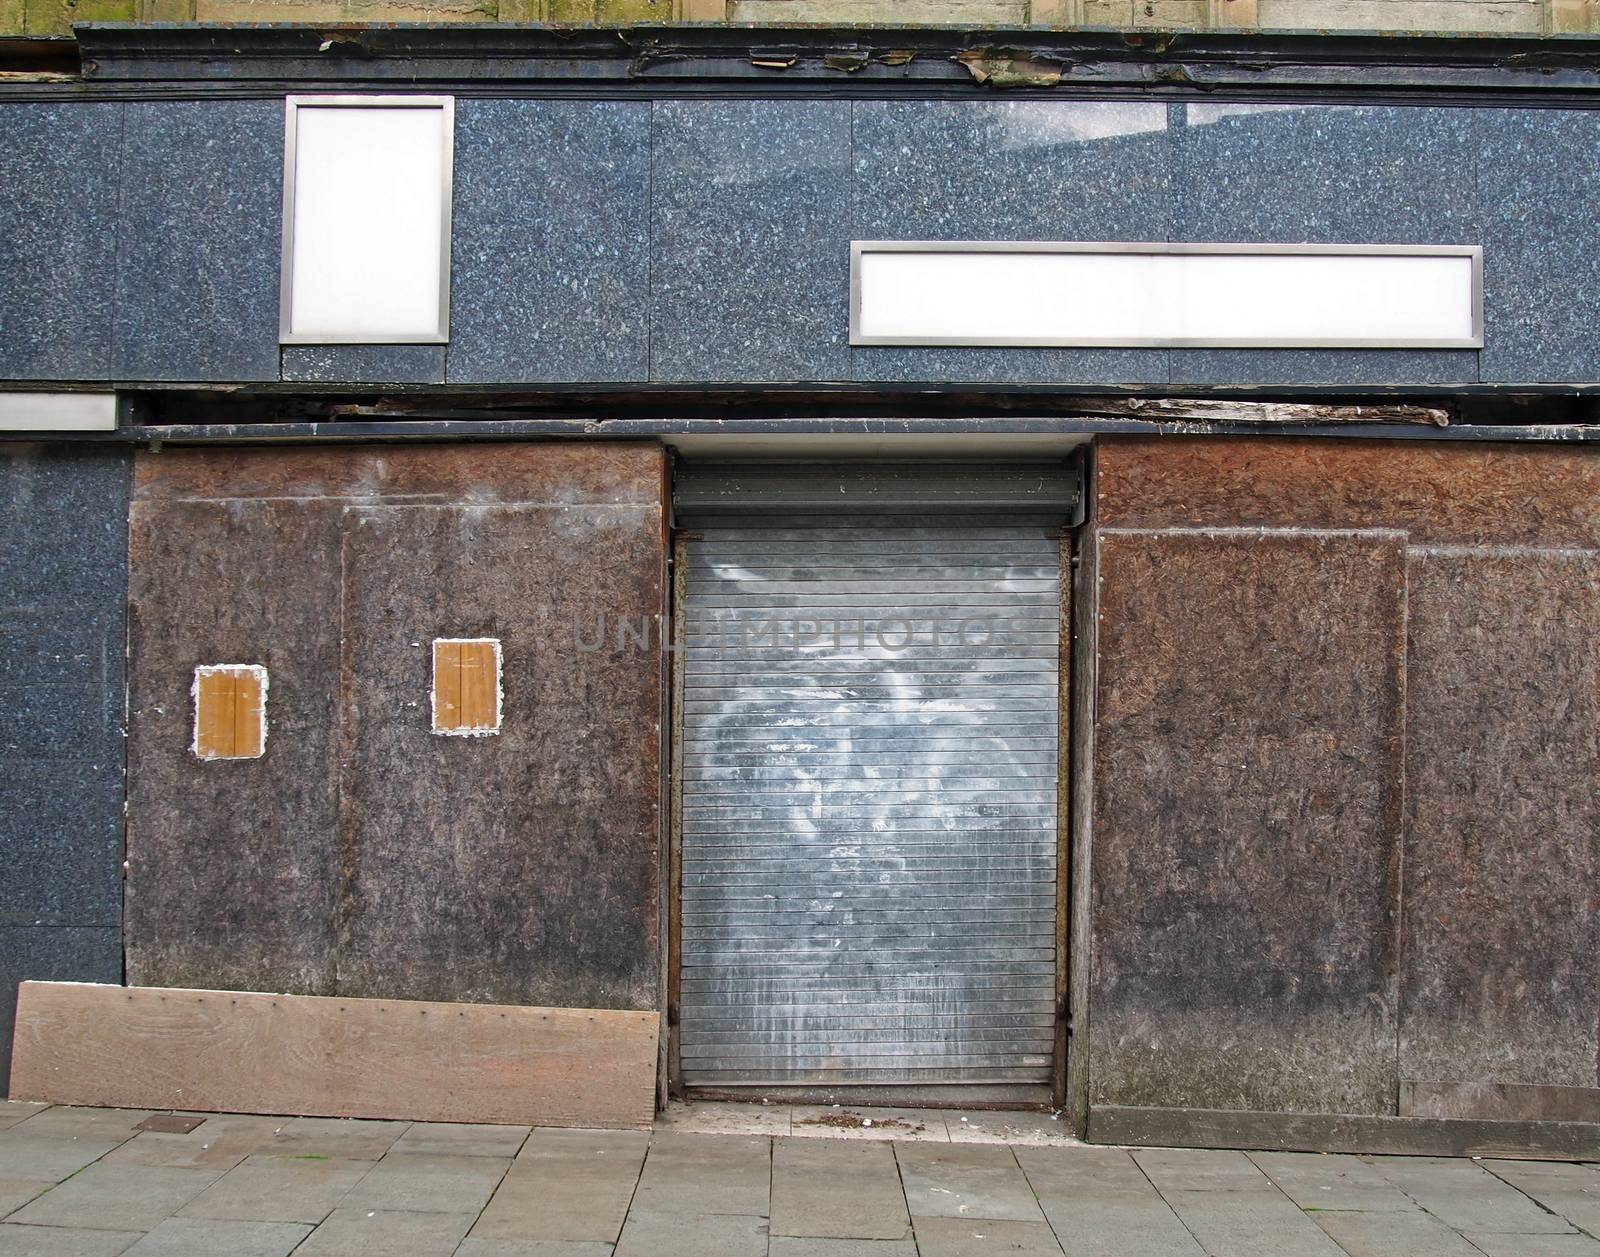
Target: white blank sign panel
<point>1267,296</point>
<point>366,220</point>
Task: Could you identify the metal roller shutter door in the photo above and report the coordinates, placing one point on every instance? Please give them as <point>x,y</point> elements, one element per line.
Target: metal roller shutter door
<point>868,823</point>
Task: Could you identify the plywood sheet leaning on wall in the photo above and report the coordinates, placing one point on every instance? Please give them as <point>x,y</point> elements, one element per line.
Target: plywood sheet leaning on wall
<point>231,1051</point>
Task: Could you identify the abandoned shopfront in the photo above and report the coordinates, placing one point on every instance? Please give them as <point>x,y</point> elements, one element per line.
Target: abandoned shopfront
<point>859,584</point>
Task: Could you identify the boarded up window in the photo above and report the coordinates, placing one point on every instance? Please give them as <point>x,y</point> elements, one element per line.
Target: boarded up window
<point>230,711</point>
<point>466,686</point>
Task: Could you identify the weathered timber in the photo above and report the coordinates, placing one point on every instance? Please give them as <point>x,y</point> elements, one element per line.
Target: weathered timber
<point>1199,410</point>
<point>1341,1132</point>
<point>1501,1102</point>
<point>221,1051</point>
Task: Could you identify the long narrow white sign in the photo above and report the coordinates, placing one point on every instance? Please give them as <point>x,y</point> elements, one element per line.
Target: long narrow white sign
<point>1200,295</point>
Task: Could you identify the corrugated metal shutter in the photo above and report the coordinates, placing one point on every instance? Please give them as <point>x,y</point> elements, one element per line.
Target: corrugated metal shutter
<point>870,712</point>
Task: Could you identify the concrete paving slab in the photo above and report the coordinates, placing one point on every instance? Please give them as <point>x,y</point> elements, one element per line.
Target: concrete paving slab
<point>348,1138</point>
<point>14,1111</point>
<point>117,1197</point>
<point>1573,1191</point>
<point>981,1127</point>
<point>424,1182</point>
<point>566,1185</point>
<point>28,1156</point>
<point>1390,1234</point>
<point>1466,1197</point>
<point>462,1139</point>
<point>279,1189</point>
<point>68,1122</point>
<point>360,1232</point>
<point>1100,1204</point>
<point>790,1246</point>
<point>209,1237</point>
<point>59,1241</point>
<point>984,1237</point>
<point>1573,1245</point>
<point>966,1181</point>
<point>842,1122</point>
<point>532,1248</point>
<point>652,1234</point>
<point>16,1192</point>
<point>1249,1223</point>
<point>707,1174</point>
<point>218,1143</point>
<point>724,1119</point>
<point>1199,1170</point>
<point>1315,1180</point>
<point>837,1189</point>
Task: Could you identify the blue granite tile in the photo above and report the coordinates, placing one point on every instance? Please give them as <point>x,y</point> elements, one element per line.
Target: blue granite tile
<point>51,954</point>
<point>197,280</point>
<point>1325,366</point>
<point>64,527</point>
<point>364,364</point>
<point>1540,184</point>
<point>1010,170</point>
<point>750,236</point>
<point>62,835</point>
<point>59,175</point>
<point>1326,174</point>
<point>551,258</point>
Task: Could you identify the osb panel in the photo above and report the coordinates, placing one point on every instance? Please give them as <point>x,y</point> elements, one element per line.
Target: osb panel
<point>1445,492</point>
<point>1501,981</point>
<point>231,873</point>
<point>233,1052</point>
<point>361,854</point>
<point>1247,804</point>
<point>560,474</point>
<point>520,868</point>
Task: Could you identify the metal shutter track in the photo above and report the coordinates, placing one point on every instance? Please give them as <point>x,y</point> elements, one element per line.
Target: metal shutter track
<point>869,833</point>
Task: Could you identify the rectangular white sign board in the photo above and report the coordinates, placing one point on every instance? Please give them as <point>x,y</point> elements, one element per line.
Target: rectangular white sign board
<point>366,219</point>
<point>58,412</point>
<point>1267,296</point>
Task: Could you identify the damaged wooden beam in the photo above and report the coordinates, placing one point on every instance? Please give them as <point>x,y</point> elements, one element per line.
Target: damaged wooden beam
<point>247,1052</point>
<point>1194,410</point>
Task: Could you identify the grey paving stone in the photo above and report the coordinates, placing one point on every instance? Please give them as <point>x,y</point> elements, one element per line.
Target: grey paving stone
<point>58,1241</point>
<point>653,1234</point>
<point>462,1140</point>
<point>117,1197</point>
<point>532,1248</point>
<point>1249,1223</point>
<point>426,1182</point>
<point>31,1156</point>
<point>791,1246</point>
<point>1100,1204</point>
<point>1535,1245</point>
<point>62,1122</point>
<point>210,1237</point>
<point>1315,1180</point>
<point>16,1192</point>
<point>220,1143</point>
<point>348,1138</point>
<point>725,1119</point>
<point>1199,1169</point>
<point>707,1174</point>
<point>1390,1234</point>
<point>1465,1196</point>
<point>14,1111</point>
<point>279,1189</point>
<point>984,1237</point>
<point>360,1232</point>
<point>824,1188</point>
<point>966,1181</point>
<point>1573,1191</point>
<point>566,1185</point>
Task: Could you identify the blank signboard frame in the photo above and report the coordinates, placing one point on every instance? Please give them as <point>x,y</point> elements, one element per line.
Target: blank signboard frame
<point>390,241</point>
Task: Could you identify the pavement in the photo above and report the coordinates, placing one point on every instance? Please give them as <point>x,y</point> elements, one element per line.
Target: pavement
<point>744,1181</point>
